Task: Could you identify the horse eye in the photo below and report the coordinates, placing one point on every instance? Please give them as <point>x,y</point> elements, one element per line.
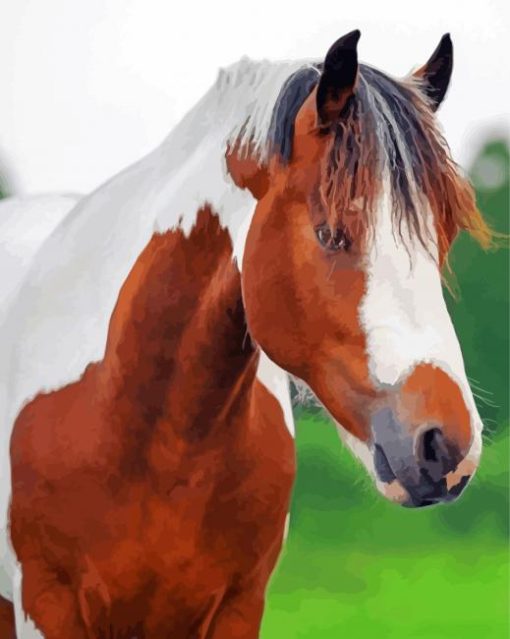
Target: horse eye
<point>336,241</point>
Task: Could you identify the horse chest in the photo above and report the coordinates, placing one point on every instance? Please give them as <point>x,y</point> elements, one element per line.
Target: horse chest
<point>218,518</point>
<point>158,544</point>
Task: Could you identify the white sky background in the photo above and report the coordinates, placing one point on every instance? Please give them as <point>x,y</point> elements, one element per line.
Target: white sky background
<point>89,86</point>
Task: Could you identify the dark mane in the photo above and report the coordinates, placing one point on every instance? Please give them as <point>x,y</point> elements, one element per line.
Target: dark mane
<point>387,129</point>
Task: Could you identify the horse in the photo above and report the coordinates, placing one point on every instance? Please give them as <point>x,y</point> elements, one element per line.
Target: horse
<point>295,223</point>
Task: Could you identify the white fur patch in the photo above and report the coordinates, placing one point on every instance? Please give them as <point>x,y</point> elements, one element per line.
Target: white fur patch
<point>276,381</point>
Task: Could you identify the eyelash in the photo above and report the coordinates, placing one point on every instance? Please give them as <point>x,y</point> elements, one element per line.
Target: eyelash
<point>339,240</point>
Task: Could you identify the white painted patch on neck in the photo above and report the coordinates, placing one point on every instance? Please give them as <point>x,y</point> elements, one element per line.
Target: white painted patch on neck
<point>403,311</point>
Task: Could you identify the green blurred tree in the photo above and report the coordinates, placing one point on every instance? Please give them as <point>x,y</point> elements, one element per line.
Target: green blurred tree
<point>3,190</point>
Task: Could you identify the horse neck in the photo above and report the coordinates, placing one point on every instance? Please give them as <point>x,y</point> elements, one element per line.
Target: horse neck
<point>177,353</point>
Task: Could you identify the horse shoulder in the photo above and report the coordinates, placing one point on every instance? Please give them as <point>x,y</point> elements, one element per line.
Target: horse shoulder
<point>59,454</point>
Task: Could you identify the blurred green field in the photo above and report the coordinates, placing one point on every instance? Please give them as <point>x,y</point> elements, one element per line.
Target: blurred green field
<point>357,566</point>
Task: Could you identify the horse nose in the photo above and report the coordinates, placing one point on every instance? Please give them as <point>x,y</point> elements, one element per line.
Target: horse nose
<point>422,462</point>
<point>435,456</point>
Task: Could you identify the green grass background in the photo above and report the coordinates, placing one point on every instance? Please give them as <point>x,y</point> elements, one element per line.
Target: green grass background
<point>356,566</point>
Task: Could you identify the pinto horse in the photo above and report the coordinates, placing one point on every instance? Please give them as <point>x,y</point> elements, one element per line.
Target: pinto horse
<point>295,221</point>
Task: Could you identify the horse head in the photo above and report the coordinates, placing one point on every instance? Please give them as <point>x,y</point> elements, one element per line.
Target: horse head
<point>358,203</point>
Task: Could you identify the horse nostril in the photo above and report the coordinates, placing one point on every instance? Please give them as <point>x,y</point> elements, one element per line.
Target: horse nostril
<point>435,454</point>
<point>433,445</point>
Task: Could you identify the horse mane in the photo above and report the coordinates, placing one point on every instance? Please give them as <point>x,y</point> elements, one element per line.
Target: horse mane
<point>387,128</point>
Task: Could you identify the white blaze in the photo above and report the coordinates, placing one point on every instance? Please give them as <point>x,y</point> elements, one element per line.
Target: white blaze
<point>406,322</point>
<point>403,311</point>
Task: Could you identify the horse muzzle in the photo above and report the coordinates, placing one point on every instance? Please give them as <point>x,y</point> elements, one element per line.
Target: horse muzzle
<point>419,468</point>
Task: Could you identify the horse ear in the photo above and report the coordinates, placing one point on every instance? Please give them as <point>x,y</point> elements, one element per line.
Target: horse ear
<point>247,171</point>
<point>338,79</point>
<point>436,73</point>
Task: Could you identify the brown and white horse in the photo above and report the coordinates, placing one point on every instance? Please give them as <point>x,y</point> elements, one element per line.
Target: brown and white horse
<point>295,221</point>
